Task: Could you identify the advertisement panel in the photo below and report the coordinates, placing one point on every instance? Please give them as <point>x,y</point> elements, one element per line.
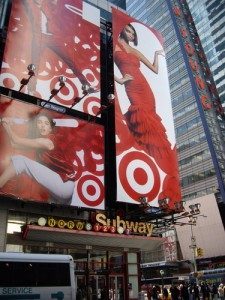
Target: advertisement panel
<point>145,139</point>
<point>49,157</point>
<point>61,38</point>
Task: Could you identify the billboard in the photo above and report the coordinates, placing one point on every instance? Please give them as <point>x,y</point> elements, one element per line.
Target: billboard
<point>61,38</point>
<point>145,138</point>
<point>49,157</point>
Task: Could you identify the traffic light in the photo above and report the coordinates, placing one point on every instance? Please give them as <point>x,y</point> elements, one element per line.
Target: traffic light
<point>199,252</point>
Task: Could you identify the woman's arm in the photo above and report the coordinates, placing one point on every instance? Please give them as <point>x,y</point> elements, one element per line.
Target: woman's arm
<point>124,79</point>
<point>38,143</point>
<point>152,66</point>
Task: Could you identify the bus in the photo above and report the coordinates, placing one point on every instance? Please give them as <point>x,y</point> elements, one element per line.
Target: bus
<point>36,276</point>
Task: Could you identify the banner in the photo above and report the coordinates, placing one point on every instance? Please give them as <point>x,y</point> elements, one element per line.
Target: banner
<point>145,139</point>
<point>49,157</point>
<point>61,38</point>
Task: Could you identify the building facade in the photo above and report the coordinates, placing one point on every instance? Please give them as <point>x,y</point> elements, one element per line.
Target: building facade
<point>199,180</point>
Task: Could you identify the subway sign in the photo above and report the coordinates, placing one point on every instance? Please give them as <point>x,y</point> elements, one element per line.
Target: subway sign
<point>101,223</point>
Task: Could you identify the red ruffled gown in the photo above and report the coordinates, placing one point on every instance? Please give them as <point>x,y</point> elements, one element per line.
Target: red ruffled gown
<point>142,120</point>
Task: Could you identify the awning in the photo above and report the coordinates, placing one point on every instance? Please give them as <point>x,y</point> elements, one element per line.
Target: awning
<point>90,238</point>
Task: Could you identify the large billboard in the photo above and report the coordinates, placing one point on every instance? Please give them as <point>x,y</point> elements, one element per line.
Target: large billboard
<point>50,157</point>
<point>61,38</point>
<point>145,138</point>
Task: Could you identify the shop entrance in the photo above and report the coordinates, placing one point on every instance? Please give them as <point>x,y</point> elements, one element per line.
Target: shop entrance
<point>97,288</point>
<point>116,287</point>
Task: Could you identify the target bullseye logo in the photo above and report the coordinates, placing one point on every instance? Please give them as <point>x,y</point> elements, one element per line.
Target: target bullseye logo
<point>67,94</point>
<point>139,175</point>
<point>90,190</point>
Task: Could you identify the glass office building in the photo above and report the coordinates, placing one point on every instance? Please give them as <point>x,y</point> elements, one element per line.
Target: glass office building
<point>209,17</point>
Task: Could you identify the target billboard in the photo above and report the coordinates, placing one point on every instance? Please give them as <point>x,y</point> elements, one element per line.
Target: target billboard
<point>49,157</point>
<point>60,38</point>
<point>145,138</point>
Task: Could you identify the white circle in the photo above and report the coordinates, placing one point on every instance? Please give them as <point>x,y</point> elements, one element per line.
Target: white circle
<point>88,226</point>
<point>42,221</point>
<point>91,105</point>
<point>94,82</point>
<point>84,190</point>
<point>120,229</point>
<point>142,189</point>
<point>10,76</point>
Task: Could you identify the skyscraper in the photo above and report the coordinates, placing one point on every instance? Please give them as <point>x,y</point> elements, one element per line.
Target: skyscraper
<point>209,17</point>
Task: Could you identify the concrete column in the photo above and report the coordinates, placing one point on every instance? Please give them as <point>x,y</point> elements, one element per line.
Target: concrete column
<point>3,228</point>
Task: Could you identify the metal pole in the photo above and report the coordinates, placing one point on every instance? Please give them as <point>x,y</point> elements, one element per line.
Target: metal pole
<point>193,246</point>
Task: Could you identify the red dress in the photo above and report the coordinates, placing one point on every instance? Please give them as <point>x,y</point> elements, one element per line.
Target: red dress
<point>143,122</point>
<point>56,159</point>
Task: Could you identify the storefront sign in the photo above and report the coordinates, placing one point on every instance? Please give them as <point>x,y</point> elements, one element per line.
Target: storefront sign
<point>101,223</point>
<point>143,228</point>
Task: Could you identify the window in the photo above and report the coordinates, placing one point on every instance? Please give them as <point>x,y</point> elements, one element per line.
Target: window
<point>34,274</point>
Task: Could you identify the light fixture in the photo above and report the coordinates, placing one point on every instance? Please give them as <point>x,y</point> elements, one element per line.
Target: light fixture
<point>164,203</point>
<point>111,97</point>
<point>143,201</point>
<point>31,68</point>
<point>179,206</point>
<point>192,220</point>
<point>85,88</point>
<point>194,208</point>
<point>62,80</point>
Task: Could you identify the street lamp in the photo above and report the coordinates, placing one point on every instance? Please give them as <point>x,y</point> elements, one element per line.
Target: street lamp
<point>162,277</point>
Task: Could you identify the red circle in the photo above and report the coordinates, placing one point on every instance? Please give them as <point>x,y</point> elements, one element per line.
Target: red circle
<point>140,176</point>
<point>64,91</point>
<point>91,190</point>
<point>9,83</point>
<point>90,77</point>
<point>95,107</point>
<point>126,160</point>
<point>96,202</point>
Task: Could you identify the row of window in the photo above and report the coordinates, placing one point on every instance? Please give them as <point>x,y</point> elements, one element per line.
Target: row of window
<point>193,178</point>
<point>194,159</point>
<point>188,126</point>
<point>34,274</point>
<point>188,143</point>
<point>198,194</point>
<point>187,109</point>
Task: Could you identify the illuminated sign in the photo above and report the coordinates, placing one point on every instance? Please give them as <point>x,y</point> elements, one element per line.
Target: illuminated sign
<point>101,223</point>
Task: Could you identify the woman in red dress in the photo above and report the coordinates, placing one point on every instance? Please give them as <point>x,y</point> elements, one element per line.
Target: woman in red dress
<point>52,169</point>
<point>142,120</point>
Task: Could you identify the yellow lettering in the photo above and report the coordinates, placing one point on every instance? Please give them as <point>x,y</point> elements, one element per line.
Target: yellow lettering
<point>80,225</point>
<point>70,224</point>
<point>100,218</point>
<point>114,223</point>
<point>142,228</point>
<point>61,224</point>
<point>51,222</point>
<point>132,226</point>
<point>120,222</point>
<point>149,229</point>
